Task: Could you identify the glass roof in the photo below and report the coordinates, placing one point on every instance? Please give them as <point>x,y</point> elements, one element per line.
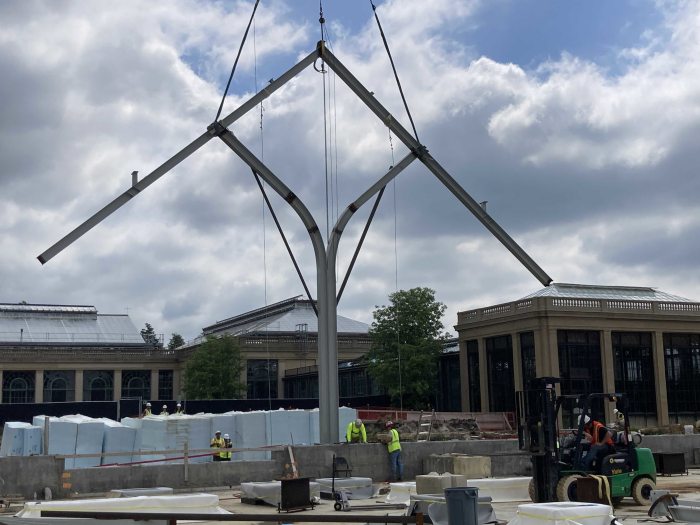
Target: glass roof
<point>589,291</point>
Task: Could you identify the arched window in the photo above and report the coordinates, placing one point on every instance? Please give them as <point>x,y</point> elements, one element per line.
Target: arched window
<point>136,383</point>
<point>98,385</point>
<point>18,387</point>
<point>59,385</point>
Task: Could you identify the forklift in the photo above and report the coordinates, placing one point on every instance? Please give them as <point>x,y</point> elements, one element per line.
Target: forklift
<point>557,464</point>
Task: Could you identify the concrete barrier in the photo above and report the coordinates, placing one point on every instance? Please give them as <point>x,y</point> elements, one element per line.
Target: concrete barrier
<point>25,476</point>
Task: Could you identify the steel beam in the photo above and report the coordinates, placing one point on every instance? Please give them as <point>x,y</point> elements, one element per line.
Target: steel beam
<point>174,161</point>
<point>442,175</point>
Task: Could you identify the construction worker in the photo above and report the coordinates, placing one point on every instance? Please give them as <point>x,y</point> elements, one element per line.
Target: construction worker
<point>356,432</point>
<point>228,445</point>
<point>147,411</point>
<point>178,410</point>
<point>218,442</point>
<point>164,411</point>
<point>600,439</point>
<point>393,447</point>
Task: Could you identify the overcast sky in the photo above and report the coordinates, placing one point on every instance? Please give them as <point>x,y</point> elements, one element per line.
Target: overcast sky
<point>578,122</point>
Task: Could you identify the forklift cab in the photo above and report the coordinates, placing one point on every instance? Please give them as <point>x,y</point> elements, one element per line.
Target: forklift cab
<point>559,461</point>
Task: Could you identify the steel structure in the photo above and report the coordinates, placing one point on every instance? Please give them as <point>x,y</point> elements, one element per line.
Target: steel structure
<point>325,254</point>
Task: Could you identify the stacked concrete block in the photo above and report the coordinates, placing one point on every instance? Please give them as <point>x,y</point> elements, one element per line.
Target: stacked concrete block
<point>88,440</point>
<point>251,432</point>
<point>117,438</point>
<point>435,483</point>
<point>20,439</point>
<point>469,466</point>
<point>288,427</point>
<point>62,437</point>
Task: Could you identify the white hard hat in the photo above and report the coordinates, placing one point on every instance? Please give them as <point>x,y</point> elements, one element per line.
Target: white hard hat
<point>217,432</point>
<point>179,405</point>
<point>148,404</point>
<point>226,436</point>
<point>165,406</point>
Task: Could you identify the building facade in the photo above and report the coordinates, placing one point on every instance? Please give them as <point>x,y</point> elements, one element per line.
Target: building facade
<point>633,340</point>
<point>73,353</point>
<point>279,341</point>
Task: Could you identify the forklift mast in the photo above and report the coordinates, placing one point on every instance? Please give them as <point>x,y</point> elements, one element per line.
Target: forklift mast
<point>538,434</point>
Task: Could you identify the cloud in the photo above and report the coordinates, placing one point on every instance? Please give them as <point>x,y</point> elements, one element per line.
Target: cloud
<point>585,168</point>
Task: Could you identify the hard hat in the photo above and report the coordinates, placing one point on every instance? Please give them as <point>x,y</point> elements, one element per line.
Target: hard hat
<point>148,404</point>
<point>217,432</point>
<point>586,420</point>
<point>389,424</point>
<point>165,406</point>
<point>226,436</point>
<point>358,422</point>
<point>179,405</point>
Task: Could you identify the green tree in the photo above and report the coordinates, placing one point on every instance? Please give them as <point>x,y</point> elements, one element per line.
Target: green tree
<point>175,341</point>
<point>406,344</point>
<point>149,334</point>
<point>214,370</point>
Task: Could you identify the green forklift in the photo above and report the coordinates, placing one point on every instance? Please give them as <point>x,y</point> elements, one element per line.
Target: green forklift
<point>558,462</point>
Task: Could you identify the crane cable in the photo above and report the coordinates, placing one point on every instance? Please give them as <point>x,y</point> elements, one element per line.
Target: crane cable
<point>264,225</point>
<point>323,71</point>
<point>393,67</point>
<point>396,279</point>
<point>235,62</point>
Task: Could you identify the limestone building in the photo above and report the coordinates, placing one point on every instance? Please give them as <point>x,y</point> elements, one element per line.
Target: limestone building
<point>636,340</point>
<point>279,347</point>
<point>73,353</point>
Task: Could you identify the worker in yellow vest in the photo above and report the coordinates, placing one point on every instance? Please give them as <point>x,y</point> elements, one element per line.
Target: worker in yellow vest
<point>228,445</point>
<point>393,447</point>
<point>356,432</point>
<point>178,410</point>
<point>164,411</point>
<point>218,442</point>
<point>147,411</point>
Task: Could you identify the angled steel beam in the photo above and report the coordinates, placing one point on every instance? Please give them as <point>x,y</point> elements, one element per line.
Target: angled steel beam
<point>442,175</point>
<point>174,161</point>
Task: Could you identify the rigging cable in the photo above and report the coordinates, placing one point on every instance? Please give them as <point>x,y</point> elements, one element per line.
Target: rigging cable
<point>396,279</point>
<point>235,63</point>
<point>264,222</point>
<point>393,67</point>
<point>322,22</point>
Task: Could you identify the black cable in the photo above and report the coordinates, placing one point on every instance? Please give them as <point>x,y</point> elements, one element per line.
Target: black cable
<point>359,244</point>
<point>396,75</point>
<point>284,238</point>
<point>235,63</point>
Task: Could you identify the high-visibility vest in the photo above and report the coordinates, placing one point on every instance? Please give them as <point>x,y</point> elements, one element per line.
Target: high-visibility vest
<point>147,412</point>
<point>355,433</point>
<point>394,444</point>
<point>598,429</point>
<point>218,443</point>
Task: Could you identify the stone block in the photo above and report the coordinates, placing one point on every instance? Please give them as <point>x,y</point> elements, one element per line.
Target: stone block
<point>435,483</point>
<point>472,466</point>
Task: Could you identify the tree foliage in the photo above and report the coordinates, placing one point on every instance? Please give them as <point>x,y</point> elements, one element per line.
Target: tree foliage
<point>214,370</point>
<point>407,336</point>
<point>175,341</point>
<point>149,335</point>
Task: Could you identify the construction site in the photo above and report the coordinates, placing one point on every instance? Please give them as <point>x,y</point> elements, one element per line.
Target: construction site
<point>576,404</point>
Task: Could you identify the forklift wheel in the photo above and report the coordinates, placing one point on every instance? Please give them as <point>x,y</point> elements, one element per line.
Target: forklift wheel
<point>641,490</point>
<point>566,488</point>
<point>337,506</point>
<point>532,491</point>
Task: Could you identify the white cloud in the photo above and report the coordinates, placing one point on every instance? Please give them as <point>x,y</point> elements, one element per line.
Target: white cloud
<point>570,158</point>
